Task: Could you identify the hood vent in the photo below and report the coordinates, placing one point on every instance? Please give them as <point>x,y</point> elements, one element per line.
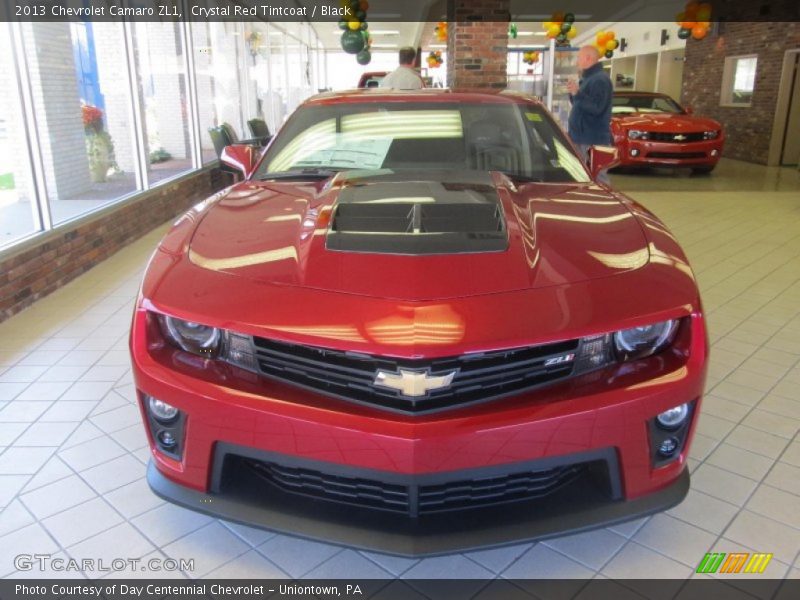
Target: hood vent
<point>431,218</point>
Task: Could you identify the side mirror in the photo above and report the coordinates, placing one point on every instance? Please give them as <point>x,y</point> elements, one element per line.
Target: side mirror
<point>241,157</point>
<point>688,109</point>
<point>602,158</point>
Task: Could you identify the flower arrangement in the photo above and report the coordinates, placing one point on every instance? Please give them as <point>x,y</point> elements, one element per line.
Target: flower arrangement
<point>99,146</point>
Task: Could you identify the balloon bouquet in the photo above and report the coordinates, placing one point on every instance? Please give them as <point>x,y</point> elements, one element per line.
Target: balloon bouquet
<point>355,37</point>
<point>435,59</point>
<point>561,28</point>
<point>694,21</point>
<point>606,43</point>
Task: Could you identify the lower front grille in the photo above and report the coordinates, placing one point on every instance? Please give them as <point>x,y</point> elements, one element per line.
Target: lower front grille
<point>676,154</point>
<point>663,136</point>
<point>415,498</point>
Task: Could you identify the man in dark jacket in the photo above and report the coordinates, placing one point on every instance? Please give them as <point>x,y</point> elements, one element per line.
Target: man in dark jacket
<point>590,117</point>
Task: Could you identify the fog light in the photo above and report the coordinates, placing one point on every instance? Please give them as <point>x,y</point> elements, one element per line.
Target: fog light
<point>167,439</point>
<point>673,418</point>
<point>714,152</point>
<point>634,152</point>
<point>668,446</point>
<point>163,412</point>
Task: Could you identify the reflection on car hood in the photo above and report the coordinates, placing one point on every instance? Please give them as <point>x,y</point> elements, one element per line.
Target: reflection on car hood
<point>276,233</point>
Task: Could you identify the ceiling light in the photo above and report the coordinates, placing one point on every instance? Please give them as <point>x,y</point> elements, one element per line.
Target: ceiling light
<point>437,46</point>
<point>384,32</point>
<point>384,45</point>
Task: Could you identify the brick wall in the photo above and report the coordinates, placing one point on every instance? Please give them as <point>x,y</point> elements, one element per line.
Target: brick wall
<point>476,49</point>
<point>35,272</point>
<point>749,129</point>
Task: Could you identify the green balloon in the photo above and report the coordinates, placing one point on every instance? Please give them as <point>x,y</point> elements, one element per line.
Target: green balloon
<point>569,18</point>
<point>352,41</point>
<point>561,38</point>
<point>343,25</point>
<point>364,57</point>
<point>565,27</point>
<point>364,26</point>
<point>609,53</point>
<point>684,33</point>
<point>361,15</point>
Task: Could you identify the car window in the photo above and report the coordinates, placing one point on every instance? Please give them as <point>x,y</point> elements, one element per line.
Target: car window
<point>626,104</point>
<point>520,140</point>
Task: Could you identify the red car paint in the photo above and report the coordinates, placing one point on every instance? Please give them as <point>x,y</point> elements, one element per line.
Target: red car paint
<point>582,260</point>
<point>701,155</point>
<point>373,77</point>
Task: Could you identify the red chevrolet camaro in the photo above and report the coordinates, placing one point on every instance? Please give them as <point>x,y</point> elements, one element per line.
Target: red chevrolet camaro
<point>652,130</point>
<point>418,325</point>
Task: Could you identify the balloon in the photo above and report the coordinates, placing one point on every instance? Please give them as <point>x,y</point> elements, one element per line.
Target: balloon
<point>572,32</point>
<point>611,44</point>
<point>352,42</point>
<point>561,38</point>
<point>363,57</point>
<point>684,33</point>
<point>611,35</point>
<point>565,27</point>
<point>704,12</point>
<point>616,44</point>
<point>354,25</point>
<point>609,53</point>
<point>553,31</point>
<point>699,32</point>
<point>363,5</point>
<point>546,25</point>
<point>602,38</point>
<point>361,15</point>
<point>354,5</point>
<point>558,17</point>
<point>342,24</point>
<point>364,26</point>
<point>687,24</point>
<point>569,18</point>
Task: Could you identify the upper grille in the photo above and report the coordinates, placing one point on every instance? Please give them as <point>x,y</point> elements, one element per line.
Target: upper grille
<point>350,375</point>
<point>676,154</point>
<point>663,136</point>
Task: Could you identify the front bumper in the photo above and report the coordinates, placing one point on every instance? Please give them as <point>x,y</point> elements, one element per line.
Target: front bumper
<point>576,508</point>
<point>669,154</point>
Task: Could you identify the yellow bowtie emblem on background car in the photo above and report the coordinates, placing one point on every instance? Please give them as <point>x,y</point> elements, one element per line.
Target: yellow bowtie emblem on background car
<point>413,383</point>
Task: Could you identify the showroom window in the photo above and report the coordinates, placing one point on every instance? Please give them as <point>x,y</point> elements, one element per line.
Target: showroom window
<point>93,112</point>
<point>738,80</point>
<point>78,78</point>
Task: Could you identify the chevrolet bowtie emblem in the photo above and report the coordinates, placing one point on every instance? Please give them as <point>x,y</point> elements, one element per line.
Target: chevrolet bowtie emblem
<point>413,383</point>
<point>680,137</point>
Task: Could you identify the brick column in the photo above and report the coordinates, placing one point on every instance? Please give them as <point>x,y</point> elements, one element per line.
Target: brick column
<point>477,44</point>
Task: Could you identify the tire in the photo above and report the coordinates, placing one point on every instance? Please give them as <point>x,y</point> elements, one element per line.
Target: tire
<point>702,170</point>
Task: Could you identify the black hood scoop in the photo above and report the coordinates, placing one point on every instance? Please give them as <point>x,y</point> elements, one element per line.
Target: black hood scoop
<point>424,212</point>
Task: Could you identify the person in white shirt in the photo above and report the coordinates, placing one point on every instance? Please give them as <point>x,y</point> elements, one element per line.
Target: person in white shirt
<point>404,77</point>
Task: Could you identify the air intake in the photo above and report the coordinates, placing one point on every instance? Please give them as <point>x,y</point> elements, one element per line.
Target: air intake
<point>418,218</point>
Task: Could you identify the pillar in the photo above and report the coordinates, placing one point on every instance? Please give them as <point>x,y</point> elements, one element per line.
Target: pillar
<point>477,44</point>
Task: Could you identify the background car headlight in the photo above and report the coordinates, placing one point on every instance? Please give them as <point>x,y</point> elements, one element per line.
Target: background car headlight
<point>190,336</point>
<point>710,135</point>
<point>636,134</point>
<point>645,340</point>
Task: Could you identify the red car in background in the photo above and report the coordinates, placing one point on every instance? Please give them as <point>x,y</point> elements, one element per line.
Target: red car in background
<point>652,130</point>
<point>418,326</point>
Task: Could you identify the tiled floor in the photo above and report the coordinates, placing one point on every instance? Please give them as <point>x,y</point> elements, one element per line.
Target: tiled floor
<point>73,453</point>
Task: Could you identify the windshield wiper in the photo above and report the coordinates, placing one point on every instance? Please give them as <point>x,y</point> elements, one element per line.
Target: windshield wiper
<point>521,177</point>
<point>306,173</point>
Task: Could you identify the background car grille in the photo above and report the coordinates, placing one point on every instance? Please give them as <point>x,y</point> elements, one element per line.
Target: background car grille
<point>418,499</point>
<point>662,136</point>
<point>349,375</point>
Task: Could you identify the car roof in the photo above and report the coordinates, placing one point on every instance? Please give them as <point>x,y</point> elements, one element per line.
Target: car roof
<point>423,95</point>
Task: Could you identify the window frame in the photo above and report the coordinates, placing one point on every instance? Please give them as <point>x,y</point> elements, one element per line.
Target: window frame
<point>726,97</point>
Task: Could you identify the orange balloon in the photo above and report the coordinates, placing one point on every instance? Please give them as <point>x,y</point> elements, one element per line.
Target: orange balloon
<point>699,32</point>
<point>687,24</point>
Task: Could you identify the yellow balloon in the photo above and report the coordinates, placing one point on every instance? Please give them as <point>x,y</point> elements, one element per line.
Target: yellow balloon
<point>611,44</point>
<point>572,32</point>
<point>354,25</point>
<point>553,30</point>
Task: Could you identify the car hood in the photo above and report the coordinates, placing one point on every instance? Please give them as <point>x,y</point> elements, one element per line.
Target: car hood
<point>666,122</point>
<point>285,233</point>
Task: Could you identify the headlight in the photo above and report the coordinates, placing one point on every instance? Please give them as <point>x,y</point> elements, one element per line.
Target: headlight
<point>636,134</point>
<point>674,417</point>
<point>189,336</point>
<point>163,412</point>
<point>639,342</point>
<point>710,135</point>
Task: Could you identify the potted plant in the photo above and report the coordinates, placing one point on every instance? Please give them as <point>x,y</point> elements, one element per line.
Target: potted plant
<point>99,146</point>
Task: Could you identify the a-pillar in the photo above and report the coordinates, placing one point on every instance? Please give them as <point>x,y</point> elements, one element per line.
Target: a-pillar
<point>477,44</point>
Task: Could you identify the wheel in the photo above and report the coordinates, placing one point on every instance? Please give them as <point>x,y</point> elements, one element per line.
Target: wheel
<point>702,170</point>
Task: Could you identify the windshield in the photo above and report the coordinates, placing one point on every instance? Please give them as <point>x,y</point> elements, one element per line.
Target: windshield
<point>519,140</point>
<point>651,104</point>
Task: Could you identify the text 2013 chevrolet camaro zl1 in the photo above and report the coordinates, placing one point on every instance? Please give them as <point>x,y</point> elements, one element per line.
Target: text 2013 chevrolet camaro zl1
<point>418,325</point>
